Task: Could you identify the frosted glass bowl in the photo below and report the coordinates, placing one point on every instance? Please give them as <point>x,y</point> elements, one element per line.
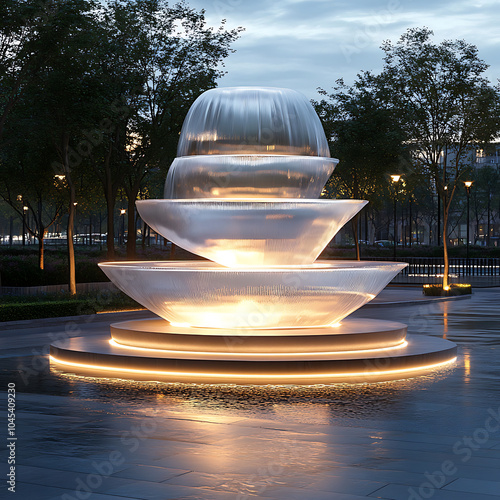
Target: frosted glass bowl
<point>252,120</point>
<point>204,294</point>
<point>248,176</point>
<point>238,233</point>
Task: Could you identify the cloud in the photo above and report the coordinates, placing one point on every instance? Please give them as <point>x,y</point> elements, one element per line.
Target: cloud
<point>307,44</point>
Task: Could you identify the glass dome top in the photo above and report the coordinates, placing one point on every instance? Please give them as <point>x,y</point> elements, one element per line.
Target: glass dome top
<point>252,120</point>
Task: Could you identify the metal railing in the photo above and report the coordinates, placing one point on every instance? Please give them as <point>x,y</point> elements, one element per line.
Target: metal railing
<point>431,269</point>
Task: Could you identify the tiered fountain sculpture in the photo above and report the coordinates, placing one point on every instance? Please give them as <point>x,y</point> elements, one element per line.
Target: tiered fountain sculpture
<point>243,192</point>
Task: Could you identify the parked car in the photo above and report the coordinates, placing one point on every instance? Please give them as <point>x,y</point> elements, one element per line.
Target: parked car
<point>384,243</point>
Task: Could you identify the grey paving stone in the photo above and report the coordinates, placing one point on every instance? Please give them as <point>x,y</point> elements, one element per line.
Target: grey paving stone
<point>150,473</point>
<point>335,442</point>
<point>340,484</point>
<point>475,486</point>
<point>162,491</point>
<point>26,491</point>
<point>401,492</point>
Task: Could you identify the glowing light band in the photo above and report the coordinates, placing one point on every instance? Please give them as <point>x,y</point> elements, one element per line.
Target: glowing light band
<point>401,345</point>
<point>286,376</point>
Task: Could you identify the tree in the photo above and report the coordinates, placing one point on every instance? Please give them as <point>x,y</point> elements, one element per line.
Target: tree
<point>484,197</point>
<point>365,137</point>
<point>23,38</point>
<point>158,58</point>
<point>446,107</point>
<point>67,97</point>
<point>181,59</point>
<point>27,180</point>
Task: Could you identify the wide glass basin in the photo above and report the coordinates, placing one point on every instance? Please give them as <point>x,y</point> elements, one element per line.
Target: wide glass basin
<point>252,120</point>
<point>248,176</point>
<point>249,232</point>
<point>205,294</point>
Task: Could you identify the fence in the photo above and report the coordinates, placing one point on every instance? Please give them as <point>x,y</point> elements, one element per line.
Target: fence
<point>484,271</point>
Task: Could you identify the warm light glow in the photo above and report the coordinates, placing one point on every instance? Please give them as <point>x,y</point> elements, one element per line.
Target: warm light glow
<point>60,177</point>
<point>25,208</point>
<point>249,232</point>
<point>446,288</point>
<point>75,203</point>
<point>401,345</point>
<point>468,184</point>
<point>257,376</point>
<point>467,366</point>
<point>19,197</point>
<point>262,309</point>
<point>262,298</point>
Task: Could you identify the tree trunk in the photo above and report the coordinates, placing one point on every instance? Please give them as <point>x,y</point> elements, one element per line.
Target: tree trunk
<point>488,228</point>
<point>71,248</point>
<point>41,233</point>
<point>132,233</point>
<point>354,223</point>
<point>143,240</point>
<point>445,248</point>
<point>110,237</point>
<point>41,251</point>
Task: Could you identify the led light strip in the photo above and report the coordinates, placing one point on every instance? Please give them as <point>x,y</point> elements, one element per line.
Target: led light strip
<point>254,376</point>
<point>114,343</point>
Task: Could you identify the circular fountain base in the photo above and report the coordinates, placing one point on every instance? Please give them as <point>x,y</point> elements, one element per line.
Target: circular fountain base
<point>153,350</point>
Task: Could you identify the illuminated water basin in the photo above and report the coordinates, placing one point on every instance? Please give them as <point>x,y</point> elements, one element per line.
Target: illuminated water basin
<point>248,176</point>
<point>208,295</point>
<point>240,233</point>
<point>252,120</point>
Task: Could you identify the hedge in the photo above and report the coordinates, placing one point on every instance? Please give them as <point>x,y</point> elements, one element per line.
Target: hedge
<point>52,309</point>
<point>453,290</point>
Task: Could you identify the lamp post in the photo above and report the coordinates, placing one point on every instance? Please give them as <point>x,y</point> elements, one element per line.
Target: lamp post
<point>123,211</point>
<point>25,209</point>
<point>395,180</point>
<point>468,185</point>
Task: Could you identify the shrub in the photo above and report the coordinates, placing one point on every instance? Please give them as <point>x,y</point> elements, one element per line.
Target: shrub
<point>453,290</point>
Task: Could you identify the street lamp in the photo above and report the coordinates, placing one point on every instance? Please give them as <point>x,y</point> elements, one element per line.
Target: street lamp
<point>25,209</point>
<point>395,179</point>
<point>123,211</point>
<point>468,185</point>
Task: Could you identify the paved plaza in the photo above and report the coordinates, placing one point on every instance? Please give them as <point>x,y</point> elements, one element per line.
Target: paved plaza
<point>436,436</point>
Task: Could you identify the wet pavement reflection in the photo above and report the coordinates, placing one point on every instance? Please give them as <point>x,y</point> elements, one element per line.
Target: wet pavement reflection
<point>221,441</point>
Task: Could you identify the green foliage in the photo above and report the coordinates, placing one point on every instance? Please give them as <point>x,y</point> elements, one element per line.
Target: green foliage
<point>23,269</point>
<point>35,310</point>
<point>452,291</point>
<point>443,102</point>
<point>96,92</point>
<point>14,308</point>
<point>364,135</point>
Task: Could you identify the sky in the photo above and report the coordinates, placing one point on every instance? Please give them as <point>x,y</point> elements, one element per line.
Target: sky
<point>304,45</point>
